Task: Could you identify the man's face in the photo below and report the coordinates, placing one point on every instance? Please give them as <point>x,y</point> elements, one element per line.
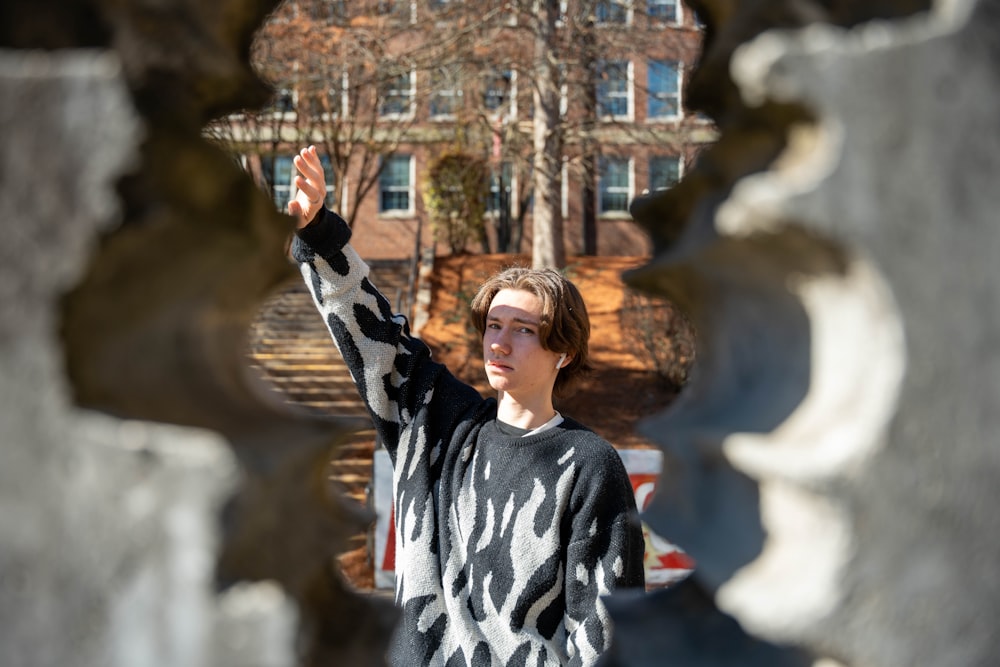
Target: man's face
<point>515,361</point>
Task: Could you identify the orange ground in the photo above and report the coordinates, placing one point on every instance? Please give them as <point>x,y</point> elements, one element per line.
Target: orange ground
<point>622,388</point>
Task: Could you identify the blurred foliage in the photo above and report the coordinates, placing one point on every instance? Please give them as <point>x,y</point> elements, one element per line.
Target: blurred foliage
<point>455,196</point>
<point>660,335</point>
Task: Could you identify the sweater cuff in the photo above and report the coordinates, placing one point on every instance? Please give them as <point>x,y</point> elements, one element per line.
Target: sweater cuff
<point>325,236</point>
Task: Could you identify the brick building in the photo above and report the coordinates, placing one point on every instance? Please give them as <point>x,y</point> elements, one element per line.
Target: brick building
<point>444,74</point>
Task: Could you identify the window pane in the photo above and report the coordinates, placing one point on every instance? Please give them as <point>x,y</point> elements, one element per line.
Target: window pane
<point>612,89</point>
<point>614,185</point>
<point>278,172</point>
<point>396,96</point>
<point>664,171</point>
<point>664,87</point>
<point>608,11</point>
<point>394,184</point>
<point>497,89</point>
<point>664,10</point>
<point>447,95</point>
<point>499,199</point>
<point>333,11</point>
<point>283,101</point>
<point>397,8</point>
<point>328,173</point>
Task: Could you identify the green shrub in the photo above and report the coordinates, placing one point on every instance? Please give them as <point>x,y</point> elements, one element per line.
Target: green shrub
<point>455,196</point>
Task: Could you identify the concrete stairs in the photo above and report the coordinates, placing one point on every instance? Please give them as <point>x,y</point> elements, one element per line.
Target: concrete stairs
<point>292,350</point>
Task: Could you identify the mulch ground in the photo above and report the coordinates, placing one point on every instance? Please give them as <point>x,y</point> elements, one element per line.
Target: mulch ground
<point>623,387</point>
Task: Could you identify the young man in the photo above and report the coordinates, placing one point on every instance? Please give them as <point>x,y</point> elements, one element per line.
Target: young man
<point>511,520</point>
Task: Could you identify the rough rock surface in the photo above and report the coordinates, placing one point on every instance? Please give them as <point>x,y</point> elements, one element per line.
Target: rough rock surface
<point>832,466</point>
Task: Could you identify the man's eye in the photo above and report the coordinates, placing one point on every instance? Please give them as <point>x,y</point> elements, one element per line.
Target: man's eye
<point>492,325</point>
<point>526,330</point>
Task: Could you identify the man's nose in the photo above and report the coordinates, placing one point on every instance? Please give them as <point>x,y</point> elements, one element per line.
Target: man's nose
<point>500,343</point>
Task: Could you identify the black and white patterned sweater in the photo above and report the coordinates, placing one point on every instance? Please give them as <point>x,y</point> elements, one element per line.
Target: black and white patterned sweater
<point>504,544</point>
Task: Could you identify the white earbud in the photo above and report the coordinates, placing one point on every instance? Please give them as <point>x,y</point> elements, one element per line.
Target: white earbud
<point>562,358</point>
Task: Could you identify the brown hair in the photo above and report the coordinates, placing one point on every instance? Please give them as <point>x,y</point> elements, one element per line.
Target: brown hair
<point>564,325</point>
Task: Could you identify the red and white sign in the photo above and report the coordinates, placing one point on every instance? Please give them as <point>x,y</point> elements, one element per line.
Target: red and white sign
<point>665,563</point>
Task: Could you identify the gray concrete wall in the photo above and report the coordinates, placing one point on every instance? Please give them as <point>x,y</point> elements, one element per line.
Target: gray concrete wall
<point>832,467</point>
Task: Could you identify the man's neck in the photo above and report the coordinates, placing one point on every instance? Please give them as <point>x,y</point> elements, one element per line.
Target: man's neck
<point>523,415</point>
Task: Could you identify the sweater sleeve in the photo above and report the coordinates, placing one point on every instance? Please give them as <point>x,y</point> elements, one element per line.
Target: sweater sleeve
<point>605,554</point>
<point>393,370</point>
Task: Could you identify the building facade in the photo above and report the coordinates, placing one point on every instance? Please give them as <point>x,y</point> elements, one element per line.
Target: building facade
<point>384,89</point>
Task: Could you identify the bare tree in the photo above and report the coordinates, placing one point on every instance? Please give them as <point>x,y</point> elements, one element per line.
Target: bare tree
<point>547,248</point>
<point>518,81</point>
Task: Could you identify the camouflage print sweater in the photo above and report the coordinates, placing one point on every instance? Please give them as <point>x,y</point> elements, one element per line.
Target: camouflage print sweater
<point>505,544</point>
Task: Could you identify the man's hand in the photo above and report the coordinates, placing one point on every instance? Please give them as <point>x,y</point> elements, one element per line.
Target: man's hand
<point>310,185</point>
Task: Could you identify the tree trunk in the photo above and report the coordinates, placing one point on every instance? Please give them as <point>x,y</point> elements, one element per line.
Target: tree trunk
<point>588,145</point>
<point>548,249</point>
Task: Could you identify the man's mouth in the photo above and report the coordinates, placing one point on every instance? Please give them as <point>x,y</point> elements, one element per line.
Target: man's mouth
<point>499,365</point>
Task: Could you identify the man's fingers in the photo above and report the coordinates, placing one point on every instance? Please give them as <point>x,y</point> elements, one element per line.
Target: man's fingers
<point>309,165</point>
<point>310,189</point>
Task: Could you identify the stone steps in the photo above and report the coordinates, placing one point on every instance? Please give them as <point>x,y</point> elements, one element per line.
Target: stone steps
<point>292,351</point>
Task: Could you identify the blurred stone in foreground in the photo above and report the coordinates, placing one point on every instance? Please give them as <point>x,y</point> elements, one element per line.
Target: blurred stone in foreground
<point>834,460</point>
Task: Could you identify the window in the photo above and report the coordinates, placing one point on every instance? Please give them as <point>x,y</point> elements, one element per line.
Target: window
<point>497,90</point>
<point>395,185</point>
<point>500,189</point>
<point>664,89</point>
<point>397,96</point>
<point>337,96</point>
<point>399,9</point>
<point>666,11</point>
<point>279,171</point>
<point>664,171</point>
<point>447,96</point>
<point>613,94</point>
<point>332,11</point>
<point>615,188</point>
<point>283,101</point>
<point>609,11</point>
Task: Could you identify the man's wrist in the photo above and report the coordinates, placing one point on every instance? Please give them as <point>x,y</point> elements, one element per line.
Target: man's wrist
<point>326,234</point>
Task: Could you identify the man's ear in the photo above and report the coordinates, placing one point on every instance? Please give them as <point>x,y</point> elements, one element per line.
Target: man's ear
<point>562,358</point>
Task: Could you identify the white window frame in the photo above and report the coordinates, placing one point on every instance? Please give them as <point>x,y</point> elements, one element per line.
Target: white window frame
<point>279,113</point>
<point>409,189</point>
<point>507,107</point>
<point>628,94</point>
<point>282,193</point>
<point>455,93</point>
<point>649,170</point>
<point>497,173</point>
<point>625,4</point>
<point>409,94</point>
<point>650,95</point>
<point>628,190</point>
<point>342,93</point>
<point>413,13</point>
<point>678,12</point>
